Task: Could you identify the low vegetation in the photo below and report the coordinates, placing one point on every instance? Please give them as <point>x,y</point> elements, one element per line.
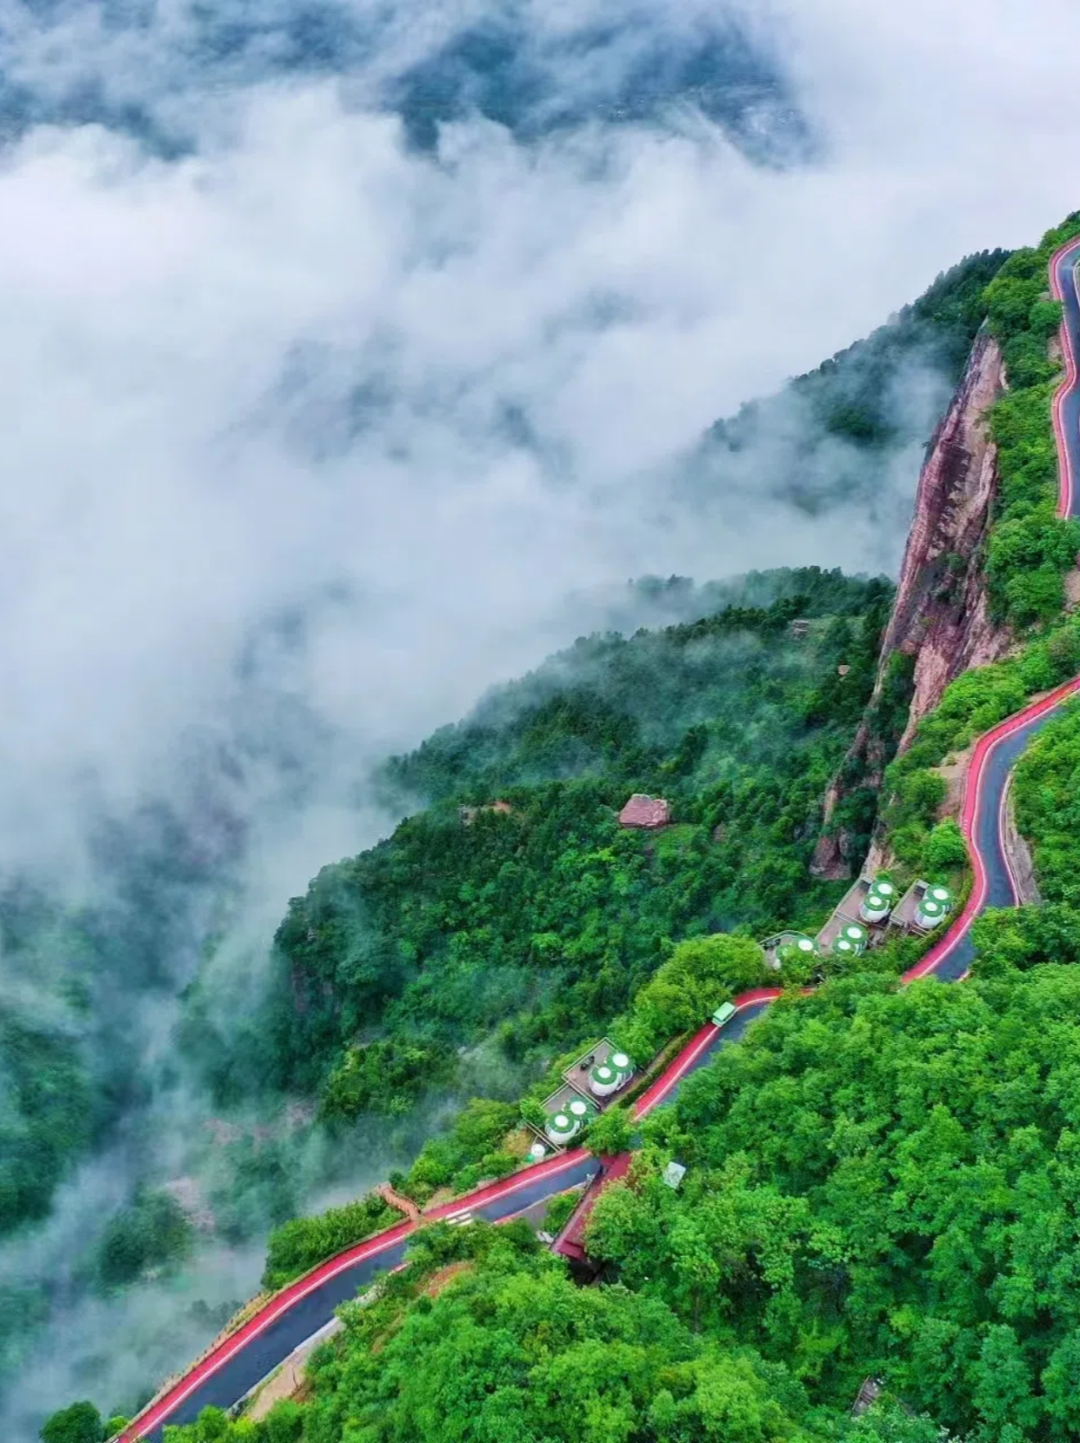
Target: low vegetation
<point>299,1244</point>
<point>471,1149</point>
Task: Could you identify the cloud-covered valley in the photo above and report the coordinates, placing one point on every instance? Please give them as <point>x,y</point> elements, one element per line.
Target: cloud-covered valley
<point>348,359</point>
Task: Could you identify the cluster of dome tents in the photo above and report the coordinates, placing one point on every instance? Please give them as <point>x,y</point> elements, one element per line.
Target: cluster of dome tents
<point>930,903</point>
<point>565,1120</point>
<point>856,922</point>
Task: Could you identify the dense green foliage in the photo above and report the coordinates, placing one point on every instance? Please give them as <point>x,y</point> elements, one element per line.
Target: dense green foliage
<point>472,1148</point>
<point>510,1351</point>
<point>611,1132</point>
<point>945,849</point>
<point>384,1076</point>
<point>1030,548</point>
<point>538,921</point>
<point>531,1357</point>
<point>152,1233</point>
<point>1009,939</point>
<point>46,1116</point>
<point>79,1423</point>
<point>885,1183</point>
<point>1048,806</point>
<point>879,1183</point>
<point>300,1243</point>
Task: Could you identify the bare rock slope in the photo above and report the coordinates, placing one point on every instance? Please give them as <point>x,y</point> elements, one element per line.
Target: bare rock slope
<point>941,615</point>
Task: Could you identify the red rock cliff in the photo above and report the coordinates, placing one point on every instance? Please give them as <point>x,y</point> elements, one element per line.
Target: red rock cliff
<point>941,613</point>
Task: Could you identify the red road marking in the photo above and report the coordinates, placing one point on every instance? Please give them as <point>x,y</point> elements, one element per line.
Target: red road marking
<point>278,1306</point>
<point>693,1050</point>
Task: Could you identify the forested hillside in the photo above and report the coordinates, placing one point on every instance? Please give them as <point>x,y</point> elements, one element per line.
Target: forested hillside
<point>880,1183</point>
<point>453,960</point>
<point>535,920</point>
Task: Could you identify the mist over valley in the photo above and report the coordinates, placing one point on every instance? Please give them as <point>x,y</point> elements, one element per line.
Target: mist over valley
<point>375,378</point>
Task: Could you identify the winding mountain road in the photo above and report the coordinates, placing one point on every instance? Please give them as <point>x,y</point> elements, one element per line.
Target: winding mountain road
<point>242,1360</point>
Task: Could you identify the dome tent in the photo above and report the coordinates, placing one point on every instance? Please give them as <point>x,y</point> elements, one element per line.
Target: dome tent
<point>797,947</point>
<point>934,906</point>
<point>607,1077</point>
<point>567,1121</point>
<point>850,941</point>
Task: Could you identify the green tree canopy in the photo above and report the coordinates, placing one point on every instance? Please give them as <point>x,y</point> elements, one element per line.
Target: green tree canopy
<point>881,1181</point>
<point>79,1423</point>
<point>611,1132</point>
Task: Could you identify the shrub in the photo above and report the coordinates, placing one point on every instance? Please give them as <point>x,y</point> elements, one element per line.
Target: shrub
<point>384,1077</point>
<point>152,1233</point>
<point>471,1150</point>
<point>299,1244</point>
<point>945,847</point>
<point>611,1132</point>
<point>532,1112</point>
<point>80,1423</point>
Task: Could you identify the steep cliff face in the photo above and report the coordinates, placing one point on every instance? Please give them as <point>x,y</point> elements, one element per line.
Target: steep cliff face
<point>941,616</point>
<point>942,613</point>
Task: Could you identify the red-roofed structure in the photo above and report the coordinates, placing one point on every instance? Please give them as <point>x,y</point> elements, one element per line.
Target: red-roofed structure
<point>643,811</point>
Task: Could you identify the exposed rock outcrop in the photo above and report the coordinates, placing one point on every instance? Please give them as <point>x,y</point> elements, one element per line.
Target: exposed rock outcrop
<point>941,615</point>
<point>942,609</point>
